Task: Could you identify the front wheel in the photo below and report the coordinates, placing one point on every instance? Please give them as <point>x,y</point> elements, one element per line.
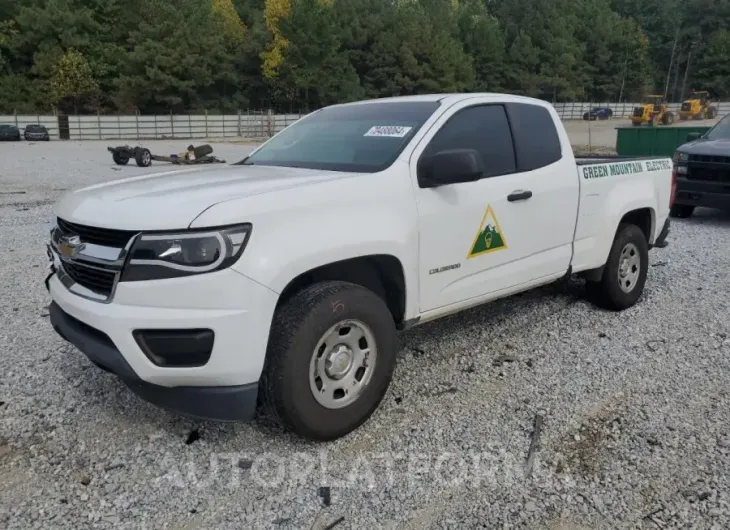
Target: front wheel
<point>681,210</point>
<point>625,272</point>
<point>120,159</point>
<point>330,360</point>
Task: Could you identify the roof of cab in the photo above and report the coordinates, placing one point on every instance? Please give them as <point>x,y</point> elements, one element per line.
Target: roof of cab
<point>446,98</point>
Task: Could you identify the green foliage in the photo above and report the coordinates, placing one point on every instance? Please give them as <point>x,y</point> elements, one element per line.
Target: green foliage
<point>179,55</point>
<point>714,69</point>
<point>71,80</point>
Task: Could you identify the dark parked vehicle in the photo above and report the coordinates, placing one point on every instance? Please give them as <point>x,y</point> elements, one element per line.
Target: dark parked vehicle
<point>9,133</point>
<point>703,171</point>
<point>36,132</point>
<point>598,113</point>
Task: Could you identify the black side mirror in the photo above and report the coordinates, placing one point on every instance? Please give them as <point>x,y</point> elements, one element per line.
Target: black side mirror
<point>450,167</point>
<point>691,137</point>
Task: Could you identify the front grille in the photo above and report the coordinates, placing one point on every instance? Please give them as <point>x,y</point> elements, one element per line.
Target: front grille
<point>94,278</point>
<point>686,107</point>
<point>97,236</point>
<point>708,174</point>
<point>710,159</point>
<point>638,112</point>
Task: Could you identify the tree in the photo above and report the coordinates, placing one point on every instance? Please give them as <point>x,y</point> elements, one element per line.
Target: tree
<point>481,36</point>
<point>72,81</point>
<point>313,66</point>
<point>713,70</point>
<point>179,60</point>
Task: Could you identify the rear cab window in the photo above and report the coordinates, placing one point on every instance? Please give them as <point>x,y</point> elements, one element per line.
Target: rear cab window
<point>536,139</point>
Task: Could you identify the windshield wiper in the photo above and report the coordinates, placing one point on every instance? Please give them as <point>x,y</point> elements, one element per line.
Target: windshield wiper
<point>245,162</point>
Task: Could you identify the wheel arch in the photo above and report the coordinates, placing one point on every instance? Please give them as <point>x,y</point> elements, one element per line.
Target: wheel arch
<point>381,273</point>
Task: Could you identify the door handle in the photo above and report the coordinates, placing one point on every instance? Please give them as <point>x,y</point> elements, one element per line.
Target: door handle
<point>519,195</point>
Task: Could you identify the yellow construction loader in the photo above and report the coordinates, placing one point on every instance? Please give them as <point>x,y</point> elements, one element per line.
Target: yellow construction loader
<point>698,106</point>
<point>653,110</point>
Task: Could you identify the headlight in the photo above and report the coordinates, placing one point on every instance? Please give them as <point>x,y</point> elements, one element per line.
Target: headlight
<point>160,256</point>
<point>681,157</point>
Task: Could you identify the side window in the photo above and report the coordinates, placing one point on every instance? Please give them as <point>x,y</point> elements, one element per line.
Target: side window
<point>536,140</point>
<point>484,128</point>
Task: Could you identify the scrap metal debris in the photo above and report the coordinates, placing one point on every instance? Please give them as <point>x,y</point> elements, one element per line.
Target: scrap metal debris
<point>334,523</point>
<point>534,443</point>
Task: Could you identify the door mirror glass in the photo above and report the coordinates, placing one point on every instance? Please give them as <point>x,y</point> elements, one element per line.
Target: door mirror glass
<point>450,167</point>
<point>691,137</point>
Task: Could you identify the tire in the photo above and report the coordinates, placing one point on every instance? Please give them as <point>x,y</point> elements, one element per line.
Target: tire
<point>143,157</point>
<point>292,366</point>
<point>681,211</point>
<point>120,159</point>
<point>668,118</point>
<point>711,113</point>
<point>630,250</point>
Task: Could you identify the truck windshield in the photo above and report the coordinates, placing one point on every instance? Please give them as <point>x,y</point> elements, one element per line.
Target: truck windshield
<point>721,131</point>
<point>362,138</point>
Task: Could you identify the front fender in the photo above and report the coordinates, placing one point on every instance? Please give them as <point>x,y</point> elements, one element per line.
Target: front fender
<point>295,231</point>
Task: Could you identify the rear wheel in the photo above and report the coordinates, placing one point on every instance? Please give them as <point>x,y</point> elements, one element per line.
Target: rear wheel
<point>143,157</point>
<point>668,118</point>
<point>624,275</point>
<point>711,113</point>
<point>681,210</point>
<point>330,360</point>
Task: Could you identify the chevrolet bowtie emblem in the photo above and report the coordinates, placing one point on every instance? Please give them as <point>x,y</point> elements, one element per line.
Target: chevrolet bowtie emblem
<point>69,247</point>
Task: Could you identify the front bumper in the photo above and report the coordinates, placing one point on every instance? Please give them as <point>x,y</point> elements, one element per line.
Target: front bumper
<point>223,389</point>
<point>701,198</point>
<point>223,403</point>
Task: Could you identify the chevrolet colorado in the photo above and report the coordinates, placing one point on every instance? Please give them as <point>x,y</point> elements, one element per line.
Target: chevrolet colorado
<point>280,281</point>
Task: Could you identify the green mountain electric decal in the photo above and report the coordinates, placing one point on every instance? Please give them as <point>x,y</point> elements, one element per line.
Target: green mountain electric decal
<point>489,238</point>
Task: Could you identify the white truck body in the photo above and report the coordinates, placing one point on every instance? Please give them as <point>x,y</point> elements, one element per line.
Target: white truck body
<point>456,245</point>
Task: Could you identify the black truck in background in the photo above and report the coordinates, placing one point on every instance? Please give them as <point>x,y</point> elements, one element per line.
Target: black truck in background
<point>703,171</point>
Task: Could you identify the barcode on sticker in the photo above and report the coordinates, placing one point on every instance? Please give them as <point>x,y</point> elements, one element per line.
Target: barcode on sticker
<point>392,131</point>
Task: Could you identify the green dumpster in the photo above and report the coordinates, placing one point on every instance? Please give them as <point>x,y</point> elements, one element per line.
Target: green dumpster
<point>652,141</point>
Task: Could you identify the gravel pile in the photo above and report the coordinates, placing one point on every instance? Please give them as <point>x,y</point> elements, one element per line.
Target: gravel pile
<point>635,406</point>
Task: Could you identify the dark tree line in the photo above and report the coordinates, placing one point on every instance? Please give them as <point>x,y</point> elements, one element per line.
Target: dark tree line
<point>188,55</point>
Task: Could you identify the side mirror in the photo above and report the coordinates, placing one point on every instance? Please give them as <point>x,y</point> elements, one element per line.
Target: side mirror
<point>450,167</point>
<point>691,137</point>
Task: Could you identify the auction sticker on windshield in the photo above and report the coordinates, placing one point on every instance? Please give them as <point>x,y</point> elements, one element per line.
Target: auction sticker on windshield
<point>391,131</point>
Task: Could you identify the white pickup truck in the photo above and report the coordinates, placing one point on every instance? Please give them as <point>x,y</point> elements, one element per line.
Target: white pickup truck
<point>280,282</point>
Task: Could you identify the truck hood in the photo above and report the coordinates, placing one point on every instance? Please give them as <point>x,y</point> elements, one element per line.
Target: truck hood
<point>173,199</point>
<point>720,147</point>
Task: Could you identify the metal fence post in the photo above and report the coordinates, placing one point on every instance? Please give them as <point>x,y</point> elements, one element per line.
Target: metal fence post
<point>172,125</point>
<point>239,123</point>
<point>15,115</point>
<point>206,123</point>
<point>98,124</point>
<point>136,121</point>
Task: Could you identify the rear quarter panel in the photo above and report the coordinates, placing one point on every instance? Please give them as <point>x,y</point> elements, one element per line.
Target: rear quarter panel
<point>608,192</point>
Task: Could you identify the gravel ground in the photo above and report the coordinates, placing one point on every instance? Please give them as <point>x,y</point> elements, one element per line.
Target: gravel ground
<point>636,407</point>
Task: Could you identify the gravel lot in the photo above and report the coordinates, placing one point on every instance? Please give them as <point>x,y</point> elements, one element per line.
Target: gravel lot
<point>636,406</point>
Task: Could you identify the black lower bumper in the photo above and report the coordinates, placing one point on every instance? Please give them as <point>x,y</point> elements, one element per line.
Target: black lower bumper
<point>661,241</point>
<point>225,403</point>
<point>703,199</point>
